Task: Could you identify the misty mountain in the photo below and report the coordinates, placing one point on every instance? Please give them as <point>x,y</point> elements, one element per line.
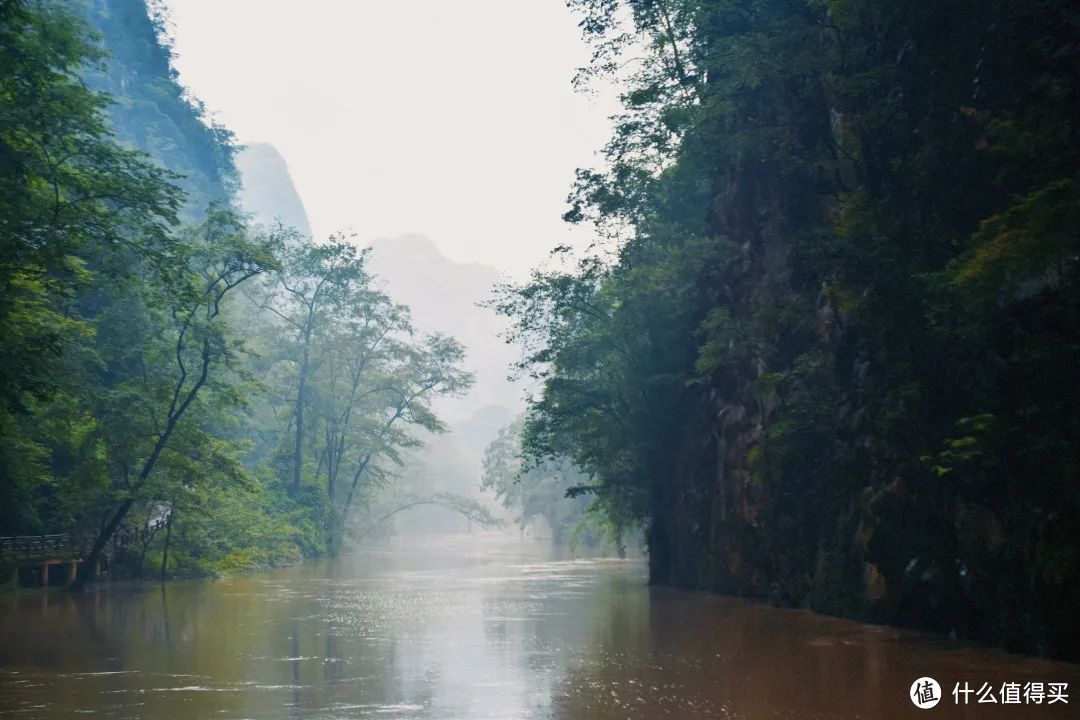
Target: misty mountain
<point>150,109</point>
<point>474,434</point>
<point>267,190</point>
<point>444,295</point>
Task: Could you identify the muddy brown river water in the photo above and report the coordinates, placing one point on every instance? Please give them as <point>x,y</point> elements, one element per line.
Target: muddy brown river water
<point>473,627</point>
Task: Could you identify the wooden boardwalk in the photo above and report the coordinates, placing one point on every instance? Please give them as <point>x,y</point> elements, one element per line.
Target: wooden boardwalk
<point>43,560</point>
<point>31,559</point>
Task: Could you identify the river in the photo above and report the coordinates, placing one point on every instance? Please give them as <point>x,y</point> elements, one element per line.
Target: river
<point>471,627</point>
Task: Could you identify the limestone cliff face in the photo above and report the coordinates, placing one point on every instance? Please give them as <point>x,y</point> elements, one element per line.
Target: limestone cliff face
<point>738,513</point>
<point>718,504</point>
<point>152,111</point>
<point>267,190</point>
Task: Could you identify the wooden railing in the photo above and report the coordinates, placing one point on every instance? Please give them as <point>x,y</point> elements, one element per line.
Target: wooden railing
<point>31,546</point>
<point>61,545</point>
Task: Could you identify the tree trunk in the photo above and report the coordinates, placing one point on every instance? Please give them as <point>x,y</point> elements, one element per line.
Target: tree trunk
<point>86,569</point>
<point>168,536</point>
<point>298,458</point>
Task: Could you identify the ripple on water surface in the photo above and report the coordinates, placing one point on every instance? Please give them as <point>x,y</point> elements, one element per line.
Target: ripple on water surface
<point>465,627</point>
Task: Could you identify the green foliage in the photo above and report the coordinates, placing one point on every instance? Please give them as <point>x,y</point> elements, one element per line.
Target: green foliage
<point>359,383</point>
<point>835,335</point>
<point>550,489</point>
<point>150,109</point>
<point>74,203</point>
<point>82,217</point>
<point>1033,242</point>
<point>180,392</point>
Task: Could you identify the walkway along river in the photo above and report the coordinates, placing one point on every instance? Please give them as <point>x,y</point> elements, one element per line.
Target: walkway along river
<point>472,627</point>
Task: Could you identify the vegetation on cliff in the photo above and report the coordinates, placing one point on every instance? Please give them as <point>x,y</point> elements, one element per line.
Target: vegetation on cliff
<point>216,397</point>
<point>828,354</point>
<point>825,351</point>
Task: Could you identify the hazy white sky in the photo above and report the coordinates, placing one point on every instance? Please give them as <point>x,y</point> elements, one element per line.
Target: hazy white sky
<point>455,119</point>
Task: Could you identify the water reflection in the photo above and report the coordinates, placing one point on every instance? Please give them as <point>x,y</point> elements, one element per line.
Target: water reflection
<point>465,628</point>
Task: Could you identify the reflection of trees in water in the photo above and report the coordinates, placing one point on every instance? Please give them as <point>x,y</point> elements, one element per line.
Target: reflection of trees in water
<point>612,649</point>
<point>242,647</point>
<point>673,653</point>
<point>570,639</point>
<point>652,655</point>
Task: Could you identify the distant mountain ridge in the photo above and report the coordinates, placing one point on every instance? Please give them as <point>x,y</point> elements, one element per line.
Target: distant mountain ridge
<point>445,295</point>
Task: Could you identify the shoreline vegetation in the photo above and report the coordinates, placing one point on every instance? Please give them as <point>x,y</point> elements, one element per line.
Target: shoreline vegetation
<point>822,353</point>
<point>215,395</point>
<point>825,348</point>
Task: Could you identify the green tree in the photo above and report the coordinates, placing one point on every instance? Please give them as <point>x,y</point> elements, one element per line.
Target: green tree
<point>190,357</point>
<point>319,283</point>
<point>427,370</point>
<point>74,202</point>
<point>535,490</point>
<point>822,355</point>
<point>360,378</point>
<point>76,207</point>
